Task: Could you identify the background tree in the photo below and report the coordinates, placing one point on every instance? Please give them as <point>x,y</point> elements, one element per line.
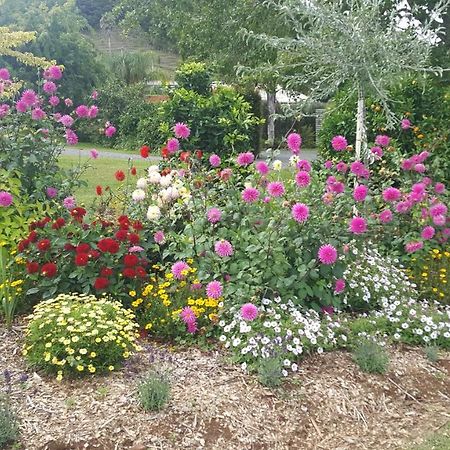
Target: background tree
<point>354,42</point>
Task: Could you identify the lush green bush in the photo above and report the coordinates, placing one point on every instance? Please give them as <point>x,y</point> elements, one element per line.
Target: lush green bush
<point>371,357</point>
<point>79,334</point>
<point>154,391</point>
<point>425,102</point>
<point>194,76</point>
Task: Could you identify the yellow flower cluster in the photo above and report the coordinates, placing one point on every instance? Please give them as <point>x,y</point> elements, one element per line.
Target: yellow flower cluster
<point>10,289</point>
<point>432,275</point>
<point>80,334</point>
<point>160,302</point>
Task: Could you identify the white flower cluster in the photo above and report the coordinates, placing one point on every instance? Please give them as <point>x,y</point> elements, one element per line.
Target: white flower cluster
<point>372,279</point>
<point>281,330</point>
<point>162,190</point>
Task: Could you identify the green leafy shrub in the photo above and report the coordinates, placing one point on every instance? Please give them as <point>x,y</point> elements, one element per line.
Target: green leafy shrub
<point>9,429</point>
<point>371,357</point>
<point>194,76</point>
<point>79,334</point>
<point>432,353</point>
<point>154,391</point>
<point>269,372</point>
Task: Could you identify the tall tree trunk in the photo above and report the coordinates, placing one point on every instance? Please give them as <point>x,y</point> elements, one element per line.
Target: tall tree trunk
<point>271,106</point>
<point>361,134</point>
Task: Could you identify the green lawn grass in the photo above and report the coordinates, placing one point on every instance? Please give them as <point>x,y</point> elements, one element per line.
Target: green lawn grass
<point>437,441</point>
<point>100,172</point>
<point>89,146</point>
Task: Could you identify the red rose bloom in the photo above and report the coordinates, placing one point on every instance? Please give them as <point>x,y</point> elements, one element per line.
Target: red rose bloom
<point>106,272</point>
<point>101,283</point>
<point>121,235</point>
<point>99,190</point>
<point>43,245</point>
<point>145,151</point>
<point>120,175</point>
<point>58,223</point>
<point>128,272</point>
<point>108,245</point>
<point>32,237</point>
<point>81,259</point>
<point>133,238</point>
<point>23,245</point>
<point>138,225</point>
<point>133,171</point>
<point>164,152</point>
<point>83,248</point>
<point>32,267</point>
<point>184,156</point>
<point>49,270</point>
<point>140,272</point>
<point>130,260</point>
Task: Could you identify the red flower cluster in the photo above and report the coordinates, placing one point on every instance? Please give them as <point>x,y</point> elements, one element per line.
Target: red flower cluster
<point>145,151</point>
<point>108,245</point>
<point>120,175</point>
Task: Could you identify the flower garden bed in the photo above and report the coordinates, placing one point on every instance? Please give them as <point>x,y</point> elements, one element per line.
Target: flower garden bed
<point>328,404</point>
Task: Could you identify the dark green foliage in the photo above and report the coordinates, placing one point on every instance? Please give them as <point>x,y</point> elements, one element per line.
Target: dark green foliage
<point>371,357</point>
<point>154,391</point>
<point>8,423</point>
<point>93,10</point>
<point>194,76</point>
<point>269,372</point>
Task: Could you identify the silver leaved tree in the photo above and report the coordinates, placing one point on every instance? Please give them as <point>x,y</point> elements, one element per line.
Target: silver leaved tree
<point>364,44</point>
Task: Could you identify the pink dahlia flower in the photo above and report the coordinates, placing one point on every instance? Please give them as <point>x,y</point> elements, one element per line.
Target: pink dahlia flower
<point>341,167</point>
<point>328,165</point>
<point>82,111</point>
<point>405,124</point>
<point>66,120</point>
<point>93,111</point>
<point>179,270</point>
<point>54,100</point>
<point>181,130</point>
<point>159,237</point>
<point>339,143</point>
<point>4,74</point>
<point>250,195</point>
<point>71,137</point>
<point>428,233</point>
<point>249,311</point>
<point>6,199</point>
<point>54,72</point>
<point>382,140</point>
<point>439,209</point>
<point>215,160</point>
<point>439,188</point>
<point>360,193</point>
<point>420,168</point>
<point>327,254</point>
<point>29,97</point>
<point>294,142</point>
<point>358,225</point>
<point>358,168</point>
<point>262,168</point>
<point>214,289</point>
<point>245,159</point>
<point>173,145</point>
<point>300,212</point>
<point>302,178</point>
<point>385,216</point>
<point>223,248</point>
<point>276,189</point>
<point>94,153</point>
<point>439,220</point>
<point>413,246</point>
<point>69,202</point>
<point>214,215</point>
<point>339,286</point>
<point>110,131</point>
<point>377,151</point>
<point>391,194</point>
<point>38,114</point>
<point>305,165</point>
<point>49,87</point>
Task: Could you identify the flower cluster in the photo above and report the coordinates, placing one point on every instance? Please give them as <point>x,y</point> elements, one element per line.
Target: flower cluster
<point>176,302</point>
<point>79,334</point>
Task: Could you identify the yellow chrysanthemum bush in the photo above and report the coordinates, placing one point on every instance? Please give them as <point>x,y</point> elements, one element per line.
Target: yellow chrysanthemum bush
<point>176,305</point>
<point>80,334</point>
<point>431,274</point>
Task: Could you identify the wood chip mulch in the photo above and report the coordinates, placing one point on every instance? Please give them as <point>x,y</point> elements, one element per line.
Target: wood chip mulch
<point>328,405</point>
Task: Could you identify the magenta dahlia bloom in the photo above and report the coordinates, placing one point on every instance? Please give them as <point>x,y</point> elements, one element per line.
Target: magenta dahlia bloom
<point>68,102</point>
<point>66,120</point>
<point>181,130</point>
<point>262,168</point>
<point>327,254</point>
<point>358,225</point>
<point>110,131</point>
<point>214,215</point>
<point>360,193</point>
<point>302,178</point>
<point>187,315</point>
<point>21,106</point>
<point>29,97</point>
<point>249,311</point>
<point>377,151</point>
<point>71,137</point>
<point>250,195</point>
<point>385,216</point>
<point>136,249</point>
<point>439,209</point>
<point>4,74</point>
<point>439,220</point>
<point>328,164</point>
<point>428,233</point>
<point>420,168</point>
<point>341,167</point>
<point>54,72</point>
<point>51,192</point>
<point>413,246</point>
<point>294,142</point>
<point>94,153</point>
<point>405,124</point>
<point>49,87</point>
<point>54,100</point>
<point>439,188</point>
<point>159,237</point>
<point>404,207</point>
<point>391,194</point>
<point>82,111</point>
<point>338,187</point>
<point>173,145</point>
<point>179,270</point>
<point>38,114</point>
<point>6,199</point>
<point>223,248</point>
<point>214,289</point>
<point>339,286</point>
<point>305,165</point>
<point>69,202</point>
<point>215,160</point>
<point>276,188</point>
<point>245,159</point>
<point>407,164</point>
<point>339,143</point>
<point>4,110</point>
<point>382,140</point>
<point>93,111</point>
<point>300,212</point>
<point>358,168</point>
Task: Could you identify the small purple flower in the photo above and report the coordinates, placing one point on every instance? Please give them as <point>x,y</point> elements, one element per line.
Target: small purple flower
<point>51,192</point>
<point>94,153</point>
<point>69,202</point>
<point>6,198</point>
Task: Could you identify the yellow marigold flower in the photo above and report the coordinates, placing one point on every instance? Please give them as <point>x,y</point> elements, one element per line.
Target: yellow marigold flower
<point>132,293</point>
<point>75,338</point>
<point>47,356</point>
<point>169,276</point>
<point>83,351</point>
<point>126,354</point>
<point>59,377</point>
<point>111,368</point>
<point>424,274</point>
<point>148,326</point>
<point>91,369</point>
<point>80,368</point>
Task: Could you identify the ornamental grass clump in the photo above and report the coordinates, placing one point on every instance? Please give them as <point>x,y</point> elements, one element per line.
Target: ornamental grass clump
<point>154,391</point>
<point>79,334</point>
<point>269,372</point>
<point>9,429</point>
